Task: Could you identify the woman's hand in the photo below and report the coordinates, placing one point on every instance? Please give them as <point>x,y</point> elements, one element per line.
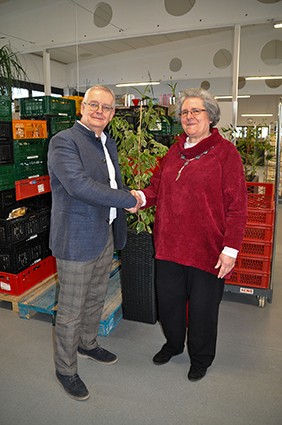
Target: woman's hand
<point>138,203</point>
<point>225,264</point>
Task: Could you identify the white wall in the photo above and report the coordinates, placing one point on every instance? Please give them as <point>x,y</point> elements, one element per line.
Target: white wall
<point>34,68</point>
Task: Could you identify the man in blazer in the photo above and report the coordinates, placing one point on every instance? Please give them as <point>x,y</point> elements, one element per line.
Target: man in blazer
<point>87,223</point>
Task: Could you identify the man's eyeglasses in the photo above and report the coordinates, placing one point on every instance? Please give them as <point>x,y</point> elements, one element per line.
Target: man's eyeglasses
<point>194,112</point>
<point>94,106</point>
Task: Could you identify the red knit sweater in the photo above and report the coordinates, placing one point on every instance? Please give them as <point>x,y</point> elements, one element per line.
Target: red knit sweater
<point>205,209</point>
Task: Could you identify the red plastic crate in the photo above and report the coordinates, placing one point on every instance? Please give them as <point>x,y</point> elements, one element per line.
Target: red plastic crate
<point>258,233</point>
<point>256,249</point>
<point>16,284</point>
<point>253,264</point>
<point>31,187</point>
<point>260,195</point>
<point>251,279</point>
<point>260,217</point>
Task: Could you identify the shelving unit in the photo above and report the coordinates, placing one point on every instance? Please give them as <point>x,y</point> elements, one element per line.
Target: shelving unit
<point>254,267</point>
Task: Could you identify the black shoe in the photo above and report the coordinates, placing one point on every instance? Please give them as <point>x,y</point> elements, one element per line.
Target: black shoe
<point>196,373</point>
<point>99,354</point>
<point>73,386</point>
<point>163,356</point>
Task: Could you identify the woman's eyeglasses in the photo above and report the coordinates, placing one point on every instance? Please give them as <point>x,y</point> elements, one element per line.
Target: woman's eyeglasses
<point>194,112</point>
<point>94,106</point>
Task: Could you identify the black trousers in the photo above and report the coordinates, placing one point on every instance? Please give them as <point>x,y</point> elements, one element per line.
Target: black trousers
<point>177,284</point>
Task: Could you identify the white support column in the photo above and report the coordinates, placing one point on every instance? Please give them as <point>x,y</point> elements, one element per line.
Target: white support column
<point>236,63</point>
<point>47,73</point>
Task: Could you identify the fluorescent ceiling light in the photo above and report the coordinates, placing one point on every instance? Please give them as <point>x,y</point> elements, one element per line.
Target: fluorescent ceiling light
<point>243,96</point>
<point>278,25</point>
<point>256,115</point>
<point>268,77</point>
<point>146,83</point>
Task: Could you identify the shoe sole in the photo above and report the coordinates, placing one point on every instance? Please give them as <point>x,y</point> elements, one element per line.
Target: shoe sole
<point>85,356</point>
<point>86,397</point>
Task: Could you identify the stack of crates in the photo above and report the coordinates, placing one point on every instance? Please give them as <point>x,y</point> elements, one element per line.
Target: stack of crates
<point>59,112</point>
<point>25,258</point>
<point>30,155</point>
<point>253,264</point>
<point>41,118</point>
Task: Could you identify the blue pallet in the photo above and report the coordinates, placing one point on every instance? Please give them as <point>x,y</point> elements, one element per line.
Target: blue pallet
<point>44,300</point>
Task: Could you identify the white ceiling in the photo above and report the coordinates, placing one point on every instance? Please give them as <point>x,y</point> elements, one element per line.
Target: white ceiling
<point>67,30</point>
<point>70,54</point>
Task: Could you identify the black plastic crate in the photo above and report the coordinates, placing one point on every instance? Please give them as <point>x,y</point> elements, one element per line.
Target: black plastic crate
<point>39,201</point>
<point>6,131</point>
<point>17,257</point>
<point>6,152</point>
<point>21,228</point>
<point>7,198</point>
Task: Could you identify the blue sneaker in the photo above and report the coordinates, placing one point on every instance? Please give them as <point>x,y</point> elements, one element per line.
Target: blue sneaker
<point>99,354</point>
<point>73,386</point>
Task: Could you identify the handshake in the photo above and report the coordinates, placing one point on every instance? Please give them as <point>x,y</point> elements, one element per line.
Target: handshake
<point>139,199</point>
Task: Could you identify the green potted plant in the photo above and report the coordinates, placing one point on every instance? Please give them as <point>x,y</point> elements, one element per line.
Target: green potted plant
<point>254,149</point>
<point>11,70</point>
<point>173,91</point>
<point>139,154</point>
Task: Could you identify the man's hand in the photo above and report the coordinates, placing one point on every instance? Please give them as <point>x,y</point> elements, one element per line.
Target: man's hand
<point>138,204</point>
<point>225,264</point>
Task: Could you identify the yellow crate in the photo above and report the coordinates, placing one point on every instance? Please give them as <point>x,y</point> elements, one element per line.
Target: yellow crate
<point>78,100</point>
<point>29,129</point>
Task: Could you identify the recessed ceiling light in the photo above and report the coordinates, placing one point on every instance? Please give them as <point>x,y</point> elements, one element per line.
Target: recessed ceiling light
<point>256,115</point>
<point>145,83</point>
<point>242,96</point>
<point>267,77</point>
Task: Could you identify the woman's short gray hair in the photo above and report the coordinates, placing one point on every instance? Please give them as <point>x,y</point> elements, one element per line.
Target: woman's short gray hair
<point>210,104</point>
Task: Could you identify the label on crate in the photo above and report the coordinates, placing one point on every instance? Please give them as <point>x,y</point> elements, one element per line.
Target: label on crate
<point>5,286</point>
<point>40,188</point>
<point>246,291</point>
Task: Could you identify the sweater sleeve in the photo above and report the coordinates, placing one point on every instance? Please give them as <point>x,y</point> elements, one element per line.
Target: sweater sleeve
<point>235,198</point>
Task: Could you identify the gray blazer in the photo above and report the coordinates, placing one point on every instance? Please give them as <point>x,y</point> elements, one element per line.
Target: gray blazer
<point>82,196</point>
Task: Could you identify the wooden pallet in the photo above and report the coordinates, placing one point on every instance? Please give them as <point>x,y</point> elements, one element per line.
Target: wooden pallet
<point>41,300</point>
<point>15,300</point>
<point>44,300</point>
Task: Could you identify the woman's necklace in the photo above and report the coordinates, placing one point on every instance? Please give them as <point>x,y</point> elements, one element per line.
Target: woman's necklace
<point>191,159</point>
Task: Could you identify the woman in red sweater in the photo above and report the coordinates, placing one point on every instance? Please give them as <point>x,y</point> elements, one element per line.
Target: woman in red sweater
<point>201,207</point>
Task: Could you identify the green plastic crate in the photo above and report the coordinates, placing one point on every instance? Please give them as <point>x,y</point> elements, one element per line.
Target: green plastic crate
<point>30,168</point>
<point>7,176</point>
<point>27,149</point>
<point>46,105</point>
<point>176,128</point>
<point>56,124</point>
<point>5,108</point>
